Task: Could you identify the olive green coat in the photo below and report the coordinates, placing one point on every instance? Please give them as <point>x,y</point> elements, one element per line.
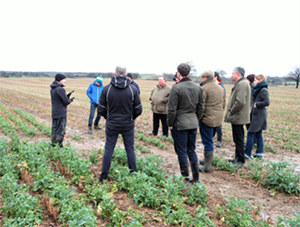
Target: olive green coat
<point>185,105</point>
<point>238,109</point>
<point>214,103</point>
<point>159,99</point>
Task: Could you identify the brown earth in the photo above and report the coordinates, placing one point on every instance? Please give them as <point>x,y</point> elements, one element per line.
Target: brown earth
<point>220,184</point>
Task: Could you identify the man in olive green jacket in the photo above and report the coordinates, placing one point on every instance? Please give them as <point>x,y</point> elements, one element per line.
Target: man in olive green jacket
<point>237,114</point>
<point>214,104</point>
<point>159,101</point>
<point>185,108</point>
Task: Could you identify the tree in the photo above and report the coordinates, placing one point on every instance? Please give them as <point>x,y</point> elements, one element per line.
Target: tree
<point>221,72</point>
<point>193,68</point>
<point>294,76</point>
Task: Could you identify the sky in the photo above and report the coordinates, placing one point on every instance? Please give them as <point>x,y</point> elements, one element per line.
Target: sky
<point>263,36</point>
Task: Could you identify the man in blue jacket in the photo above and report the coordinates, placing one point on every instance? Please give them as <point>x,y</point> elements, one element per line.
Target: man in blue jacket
<point>94,92</point>
<point>120,105</point>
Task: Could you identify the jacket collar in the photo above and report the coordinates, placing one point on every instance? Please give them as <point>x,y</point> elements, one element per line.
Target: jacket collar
<point>185,79</point>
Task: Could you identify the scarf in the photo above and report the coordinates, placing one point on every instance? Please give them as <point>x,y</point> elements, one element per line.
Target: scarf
<point>258,87</point>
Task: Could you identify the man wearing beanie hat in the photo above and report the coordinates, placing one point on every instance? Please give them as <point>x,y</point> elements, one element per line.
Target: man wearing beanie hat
<point>59,100</point>
<point>212,117</point>
<point>94,92</point>
<point>129,75</point>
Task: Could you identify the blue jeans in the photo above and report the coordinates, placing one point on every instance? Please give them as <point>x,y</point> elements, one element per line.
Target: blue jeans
<point>219,133</point>
<point>250,143</point>
<point>110,143</point>
<point>207,134</point>
<point>92,113</point>
<point>184,145</point>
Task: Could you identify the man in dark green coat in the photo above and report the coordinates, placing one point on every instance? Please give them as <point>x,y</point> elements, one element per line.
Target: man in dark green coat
<point>238,113</point>
<point>185,108</point>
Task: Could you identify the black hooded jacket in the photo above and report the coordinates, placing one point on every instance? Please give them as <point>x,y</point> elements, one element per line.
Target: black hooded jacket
<point>59,100</point>
<point>120,104</point>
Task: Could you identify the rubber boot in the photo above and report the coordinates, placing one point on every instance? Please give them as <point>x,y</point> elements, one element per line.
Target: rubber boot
<point>195,171</point>
<point>202,161</point>
<point>90,131</point>
<point>185,171</point>
<point>209,157</point>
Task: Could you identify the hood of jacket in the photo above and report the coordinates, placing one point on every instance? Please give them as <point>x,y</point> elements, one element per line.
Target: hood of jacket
<point>56,84</point>
<point>95,83</point>
<point>120,81</point>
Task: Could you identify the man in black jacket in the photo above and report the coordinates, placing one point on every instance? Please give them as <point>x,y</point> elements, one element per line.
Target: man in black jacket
<point>59,100</point>
<point>120,105</point>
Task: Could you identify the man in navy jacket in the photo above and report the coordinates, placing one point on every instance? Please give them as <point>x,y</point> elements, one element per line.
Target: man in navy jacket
<point>94,92</point>
<point>120,105</point>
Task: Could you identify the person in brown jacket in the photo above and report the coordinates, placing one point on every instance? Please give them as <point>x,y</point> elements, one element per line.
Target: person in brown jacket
<point>159,101</point>
<point>214,104</point>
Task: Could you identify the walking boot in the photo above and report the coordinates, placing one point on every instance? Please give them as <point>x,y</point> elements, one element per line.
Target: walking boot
<point>209,157</point>
<point>97,127</point>
<point>90,131</point>
<point>195,171</point>
<point>185,171</point>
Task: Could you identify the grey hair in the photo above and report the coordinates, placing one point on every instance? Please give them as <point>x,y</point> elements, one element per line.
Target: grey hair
<point>239,70</point>
<point>120,70</point>
<point>163,78</point>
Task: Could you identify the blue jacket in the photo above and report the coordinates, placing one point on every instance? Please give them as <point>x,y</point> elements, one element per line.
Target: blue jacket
<point>94,92</point>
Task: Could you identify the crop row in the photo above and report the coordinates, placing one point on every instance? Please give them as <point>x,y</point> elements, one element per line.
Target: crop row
<point>53,170</point>
<point>21,125</point>
<point>273,175</point>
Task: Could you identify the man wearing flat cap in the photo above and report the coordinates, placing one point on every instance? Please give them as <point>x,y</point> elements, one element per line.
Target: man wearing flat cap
<point>59,101</point>
<point>212,117</point>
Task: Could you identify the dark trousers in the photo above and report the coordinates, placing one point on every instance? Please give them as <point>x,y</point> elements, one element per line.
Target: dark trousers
<point>238,138</point>
<point>110,143</point>
<point>58,130</point>
<point>92,113</point>
<point>207,134</point>
<point>163,119</point>
<point>219,133</point>
<point>184,145</point>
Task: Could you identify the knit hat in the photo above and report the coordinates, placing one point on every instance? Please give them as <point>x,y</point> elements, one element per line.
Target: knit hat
<point>208,74</point>
<point>251,78</point>
<point>99,79</point>
<point>129,75</point>
<point>59,77</point>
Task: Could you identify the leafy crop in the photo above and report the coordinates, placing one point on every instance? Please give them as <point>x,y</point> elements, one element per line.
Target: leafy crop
<point>280,178</point>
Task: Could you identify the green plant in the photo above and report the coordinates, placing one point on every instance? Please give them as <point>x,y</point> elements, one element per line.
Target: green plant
<point>76,137</point>
<point>290,222</point>
<point>280,178</point>
<point>224,165</point>
<point>238,212</point>
<point>93,156</point>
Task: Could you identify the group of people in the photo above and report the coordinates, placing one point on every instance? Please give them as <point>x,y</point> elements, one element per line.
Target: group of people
<point>182,109</point>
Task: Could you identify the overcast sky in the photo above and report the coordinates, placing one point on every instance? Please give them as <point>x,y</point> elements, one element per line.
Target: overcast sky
<point>263,36</point>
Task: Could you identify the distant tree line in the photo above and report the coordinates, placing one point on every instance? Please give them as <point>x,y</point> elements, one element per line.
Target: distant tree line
<point>276,80</point>
<point>68,74</point>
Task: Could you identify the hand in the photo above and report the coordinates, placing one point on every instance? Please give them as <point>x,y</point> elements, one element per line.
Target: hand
<point>254,105</point>
<point>72,99</point>
<point>69,94</point>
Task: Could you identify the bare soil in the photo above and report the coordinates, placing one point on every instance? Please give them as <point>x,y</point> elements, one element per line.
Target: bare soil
<point>220,184</point>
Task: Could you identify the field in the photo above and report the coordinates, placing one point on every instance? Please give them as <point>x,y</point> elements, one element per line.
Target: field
<point>256,195</point>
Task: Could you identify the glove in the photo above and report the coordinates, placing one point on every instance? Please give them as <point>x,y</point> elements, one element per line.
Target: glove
<point>69,94</point>
<point>72,99</point>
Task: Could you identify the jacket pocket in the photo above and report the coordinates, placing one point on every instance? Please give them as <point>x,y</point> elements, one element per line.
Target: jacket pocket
<point>161,107</point>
